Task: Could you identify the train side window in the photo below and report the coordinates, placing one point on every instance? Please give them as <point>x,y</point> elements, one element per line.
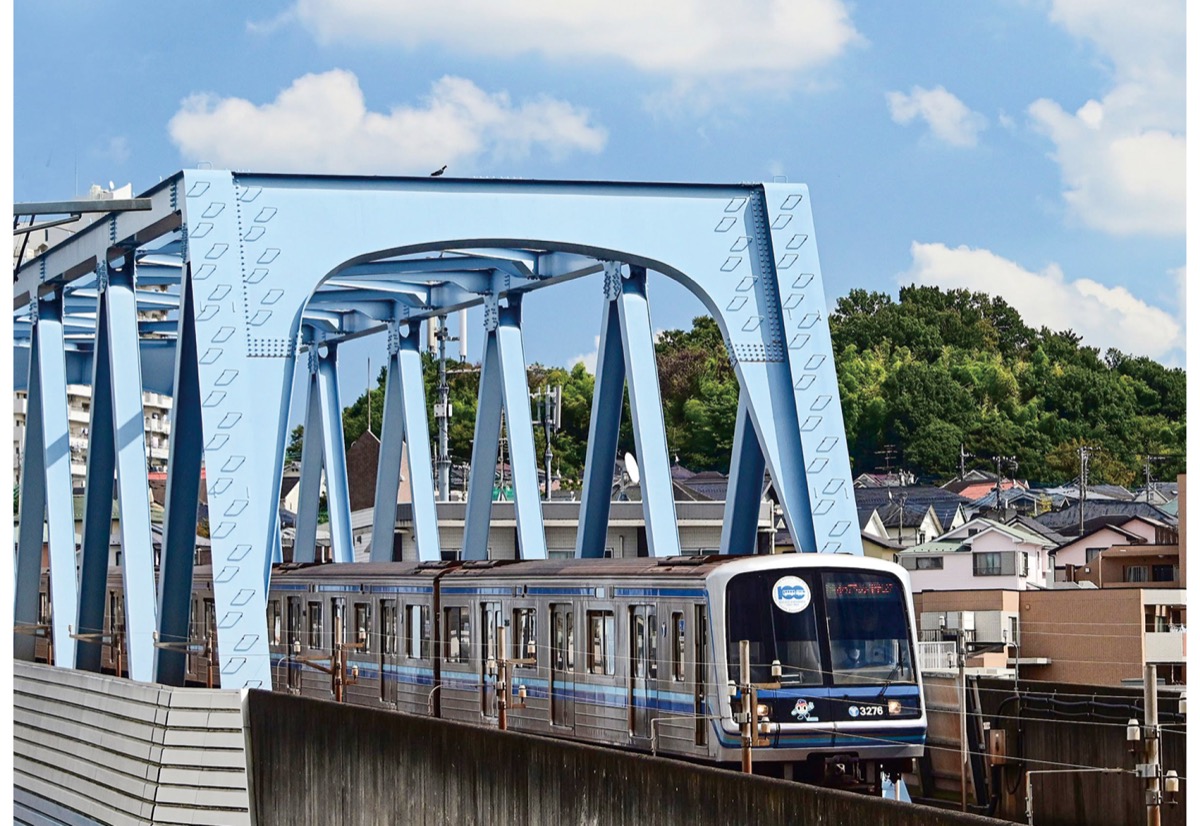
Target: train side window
<point>362,626</point>
<point>652,638</point>
<point>43,608</point>
<point>525,636</point>
<point>678,645</point>
<point>418,632</point>
<point>601,637</point>
<point>457,648</point>
<point>315,629</point>
<point>274,623</point>
<point>390,628</point>
<point>563,643</point>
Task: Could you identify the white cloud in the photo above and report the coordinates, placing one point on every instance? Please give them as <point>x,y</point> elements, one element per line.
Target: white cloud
<point>1103,316</point>
<point>949,119</point>
<point>1123,157</point>
<point>588,359</point>
<point>321,124</point>
<point>691,38</point>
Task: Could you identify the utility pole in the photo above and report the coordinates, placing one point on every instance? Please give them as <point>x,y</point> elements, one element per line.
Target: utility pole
<point>962,461</point>
<point>962,705</point>
<point>442,412</point>
<point>1152,767</point>
<point>1001,462</point>
<point>1085,455</point>
<point>549,407</point>
<point>747,708</point>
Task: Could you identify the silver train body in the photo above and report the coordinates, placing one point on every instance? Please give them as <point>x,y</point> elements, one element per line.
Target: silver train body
<point>640,654</point>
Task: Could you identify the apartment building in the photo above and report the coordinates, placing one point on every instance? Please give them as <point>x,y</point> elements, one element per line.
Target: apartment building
<point>156,410</point>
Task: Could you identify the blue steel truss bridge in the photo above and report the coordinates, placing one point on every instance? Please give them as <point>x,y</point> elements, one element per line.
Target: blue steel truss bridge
<point>229,283</point>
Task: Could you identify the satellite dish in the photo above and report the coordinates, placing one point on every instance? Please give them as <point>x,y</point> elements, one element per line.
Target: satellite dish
<point>631,469</point>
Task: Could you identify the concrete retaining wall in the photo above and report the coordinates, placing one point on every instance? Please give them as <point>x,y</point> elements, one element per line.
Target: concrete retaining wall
<point>94,749</point>
<point>318,762</point>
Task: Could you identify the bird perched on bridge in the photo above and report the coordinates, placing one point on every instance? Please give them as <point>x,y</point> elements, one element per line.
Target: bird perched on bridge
<point>439,172</point>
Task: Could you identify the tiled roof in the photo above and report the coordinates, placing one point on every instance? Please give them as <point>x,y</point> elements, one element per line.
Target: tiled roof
<point>1066,521</point>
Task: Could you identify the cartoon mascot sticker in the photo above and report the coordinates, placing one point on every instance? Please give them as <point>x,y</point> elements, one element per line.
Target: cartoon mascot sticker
<point>803,711</point>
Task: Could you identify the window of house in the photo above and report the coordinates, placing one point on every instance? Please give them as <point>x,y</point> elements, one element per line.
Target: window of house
<point>457,646</point>
<point>525,636</point>
<point>602,634</point>
<point>1137,573</point>
<point>362,626</point>
<point>929,563</point>
<point>678,645</point>
<point>1092,553</point>
<point>994,563</point>
<point>315,623</point>
<point>1024,564</point>
<point>418,632</point>
<point>1164,573</point>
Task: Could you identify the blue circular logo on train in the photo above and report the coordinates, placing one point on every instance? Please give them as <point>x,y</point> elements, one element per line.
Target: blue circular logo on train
<point>853,711</point>
<point>791,594</point>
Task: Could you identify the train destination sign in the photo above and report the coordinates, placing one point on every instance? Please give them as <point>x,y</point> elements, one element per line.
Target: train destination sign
<point>791,594</point>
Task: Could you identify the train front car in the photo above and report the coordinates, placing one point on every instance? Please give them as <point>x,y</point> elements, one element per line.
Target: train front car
<point>832,646</point>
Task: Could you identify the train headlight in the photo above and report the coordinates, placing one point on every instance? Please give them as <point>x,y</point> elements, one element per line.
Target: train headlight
<point>732,689</point>
<point>894,707</point>
<point>776,669</point>
<point>763,711</point>
<point>521,693</point>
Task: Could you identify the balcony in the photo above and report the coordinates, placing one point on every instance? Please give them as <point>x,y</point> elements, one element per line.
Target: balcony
<point>938,656</point>
<point>1165,646</point>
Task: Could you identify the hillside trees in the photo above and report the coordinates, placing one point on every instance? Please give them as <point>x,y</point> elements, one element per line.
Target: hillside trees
<point>922,376</point>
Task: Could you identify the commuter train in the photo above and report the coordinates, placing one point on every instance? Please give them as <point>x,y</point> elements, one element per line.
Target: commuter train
<point>640,653</point>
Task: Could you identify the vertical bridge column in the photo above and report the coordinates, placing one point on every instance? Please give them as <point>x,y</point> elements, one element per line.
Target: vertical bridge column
<point>182,500</point>
<point>405,420</point>
<point>503,386</point>
<point>627,312</point>
<point>744,494</point>
<point>46,491</point>
<point>324,448</point>
<point>337,485</point>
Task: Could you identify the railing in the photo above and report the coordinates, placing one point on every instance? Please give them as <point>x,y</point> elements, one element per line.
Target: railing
<point>936,656</point>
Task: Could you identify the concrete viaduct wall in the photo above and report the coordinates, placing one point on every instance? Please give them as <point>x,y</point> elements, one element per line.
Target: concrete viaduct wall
<point>320,762</point>
<point>93,749</point>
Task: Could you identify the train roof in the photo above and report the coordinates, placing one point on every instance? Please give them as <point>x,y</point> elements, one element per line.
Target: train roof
<point>636,568</point>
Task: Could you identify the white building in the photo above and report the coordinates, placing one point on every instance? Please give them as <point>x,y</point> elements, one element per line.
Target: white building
<point>156,409</point>
<point>982,553</point>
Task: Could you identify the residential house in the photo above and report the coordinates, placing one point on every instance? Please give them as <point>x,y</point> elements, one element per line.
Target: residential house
<point>1135,550</point>
<point>1091,636</point>
<point>975,484</point>
<point>983,553</point>
<point>1067,521</point>
<point>949,508</point>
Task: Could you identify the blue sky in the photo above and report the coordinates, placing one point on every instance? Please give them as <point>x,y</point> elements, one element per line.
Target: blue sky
<point>1028,148</point>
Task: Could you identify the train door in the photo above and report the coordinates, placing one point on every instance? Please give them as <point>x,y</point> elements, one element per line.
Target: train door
<point>562,666</point>
<point>643,667</point>
<point>700,672</point>
<point>489,660</point>
<point>389,647</point>
<point>295,622</point>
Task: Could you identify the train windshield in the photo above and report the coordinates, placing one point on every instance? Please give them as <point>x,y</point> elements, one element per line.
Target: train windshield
<point>823,627</point>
